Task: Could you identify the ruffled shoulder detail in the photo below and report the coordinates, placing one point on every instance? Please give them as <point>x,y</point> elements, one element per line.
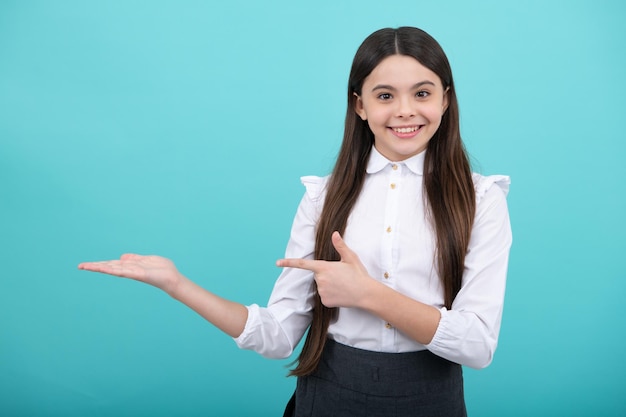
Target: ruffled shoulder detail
<point>315,187</point>
<point>483,183</point>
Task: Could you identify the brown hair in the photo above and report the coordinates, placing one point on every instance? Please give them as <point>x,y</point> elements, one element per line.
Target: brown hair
<point>448,186</point>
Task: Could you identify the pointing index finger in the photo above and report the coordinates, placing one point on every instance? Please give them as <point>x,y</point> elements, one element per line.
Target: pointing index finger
<point>307,264</point>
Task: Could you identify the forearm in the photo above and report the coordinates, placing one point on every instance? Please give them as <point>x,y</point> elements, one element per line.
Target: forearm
<point>415,319</point>
<point>228,316</point>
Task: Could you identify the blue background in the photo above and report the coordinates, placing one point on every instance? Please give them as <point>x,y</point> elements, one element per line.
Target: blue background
<point>181,129</point>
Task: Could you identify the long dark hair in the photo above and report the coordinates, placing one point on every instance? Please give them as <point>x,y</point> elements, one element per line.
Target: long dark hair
<point>448,186</point>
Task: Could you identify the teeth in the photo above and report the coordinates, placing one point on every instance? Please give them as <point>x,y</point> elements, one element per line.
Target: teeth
<point>405,129</point>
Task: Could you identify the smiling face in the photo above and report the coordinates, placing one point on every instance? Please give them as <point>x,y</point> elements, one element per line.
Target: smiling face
<point>402,102</point>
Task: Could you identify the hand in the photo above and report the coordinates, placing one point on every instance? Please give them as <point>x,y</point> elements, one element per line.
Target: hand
<point>339,284</point>
<point>154,270</point>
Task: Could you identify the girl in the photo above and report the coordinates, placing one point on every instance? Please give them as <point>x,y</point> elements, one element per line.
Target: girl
<point>396,262</point>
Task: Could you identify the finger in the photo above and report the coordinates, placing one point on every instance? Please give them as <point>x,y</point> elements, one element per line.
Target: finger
<point>346,254</point>
<point>97,266</point>
<point>308,264</point>
<point>102,266</point>
<point>115,268</point>
<point>91,265</point>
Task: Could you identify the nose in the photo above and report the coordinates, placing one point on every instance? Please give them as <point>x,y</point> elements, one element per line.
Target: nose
<point>406,107</point>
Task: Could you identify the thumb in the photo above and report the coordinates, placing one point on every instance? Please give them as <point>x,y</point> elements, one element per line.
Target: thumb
<point>346,254</point>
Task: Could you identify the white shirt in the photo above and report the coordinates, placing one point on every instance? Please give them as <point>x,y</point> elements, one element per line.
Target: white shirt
<point>389,231</point>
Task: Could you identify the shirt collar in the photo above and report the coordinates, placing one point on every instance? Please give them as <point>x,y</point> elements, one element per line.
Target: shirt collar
<point>377,162</point>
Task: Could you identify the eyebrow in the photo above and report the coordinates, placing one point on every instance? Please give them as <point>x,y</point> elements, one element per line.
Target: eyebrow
<point>388,87</point>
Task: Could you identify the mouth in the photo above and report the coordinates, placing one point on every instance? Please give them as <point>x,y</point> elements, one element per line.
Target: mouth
<point>406,131</point>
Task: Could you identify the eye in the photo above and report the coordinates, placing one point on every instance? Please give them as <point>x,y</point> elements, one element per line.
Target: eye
<point>384,96</point>
<point>422,94</point>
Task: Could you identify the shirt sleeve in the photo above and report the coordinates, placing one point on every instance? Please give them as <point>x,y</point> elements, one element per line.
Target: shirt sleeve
<point>274,331</point>
<point>468,332</point>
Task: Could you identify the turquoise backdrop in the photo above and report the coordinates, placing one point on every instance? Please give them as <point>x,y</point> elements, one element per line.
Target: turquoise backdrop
<point>181,128</point>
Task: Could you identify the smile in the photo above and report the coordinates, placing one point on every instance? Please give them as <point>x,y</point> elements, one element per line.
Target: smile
<point>405,129</point>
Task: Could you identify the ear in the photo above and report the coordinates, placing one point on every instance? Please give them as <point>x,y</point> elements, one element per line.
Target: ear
<point>445,101</point>
<point>358,107</point>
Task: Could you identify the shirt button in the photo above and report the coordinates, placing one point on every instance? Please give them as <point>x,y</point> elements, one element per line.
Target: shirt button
<point>393,185</point>
<point>386,275</point>
<point>389,326</point>
<point>394,167</point>
<point>389,229</point>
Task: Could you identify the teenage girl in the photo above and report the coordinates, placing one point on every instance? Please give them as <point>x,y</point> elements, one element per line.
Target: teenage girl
<point>396,262</point>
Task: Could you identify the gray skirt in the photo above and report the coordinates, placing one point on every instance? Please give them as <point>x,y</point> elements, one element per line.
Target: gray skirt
<point>362,383</point>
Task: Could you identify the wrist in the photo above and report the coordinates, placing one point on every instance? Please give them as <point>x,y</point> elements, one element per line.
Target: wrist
<point>371,291</point>
<point>176,286</point>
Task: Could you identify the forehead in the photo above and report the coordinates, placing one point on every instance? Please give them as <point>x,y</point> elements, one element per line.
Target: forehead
<point>399,70</point>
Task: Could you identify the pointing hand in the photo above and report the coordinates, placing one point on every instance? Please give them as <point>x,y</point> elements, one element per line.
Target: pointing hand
<point>341,283</point>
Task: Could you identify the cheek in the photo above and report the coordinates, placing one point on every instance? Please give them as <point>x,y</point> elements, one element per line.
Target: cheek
<point>379,115</point>
<point>433,114</point>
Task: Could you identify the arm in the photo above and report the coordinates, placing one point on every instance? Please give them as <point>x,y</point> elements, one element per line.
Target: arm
<point>273,331</point>
<point>466,334</point>
<point>348,284</point>
<point>276,330</point>
<point>413,318</point>
<point>228,316</point>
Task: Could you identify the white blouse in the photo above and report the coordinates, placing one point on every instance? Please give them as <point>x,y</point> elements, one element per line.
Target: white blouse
<point>389,230</point>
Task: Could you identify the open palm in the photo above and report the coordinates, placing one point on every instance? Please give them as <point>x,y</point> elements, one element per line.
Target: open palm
<point>154,270</point>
